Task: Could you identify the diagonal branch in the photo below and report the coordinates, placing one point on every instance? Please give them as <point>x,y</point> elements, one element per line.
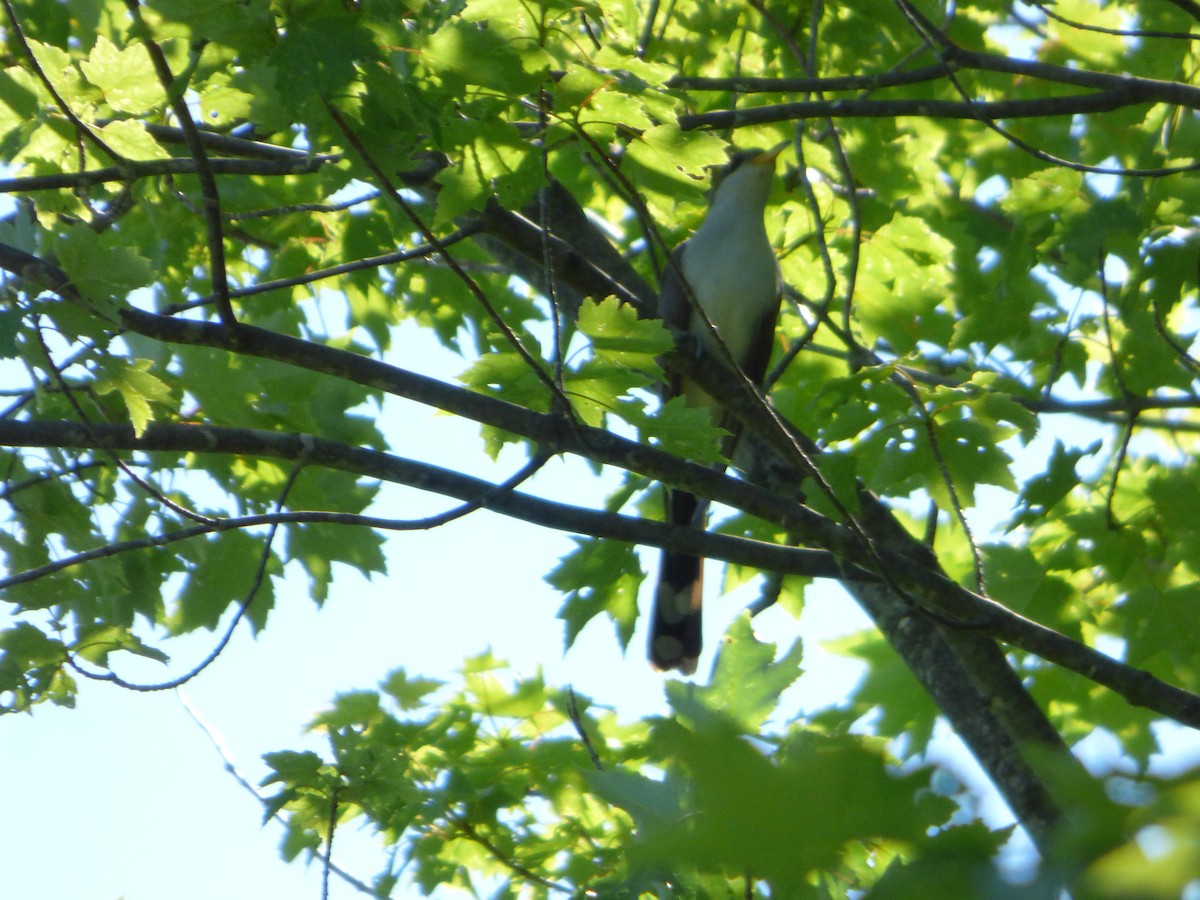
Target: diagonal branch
<point>475,493</point>
<point>951,54</point>
<point>214,228</point>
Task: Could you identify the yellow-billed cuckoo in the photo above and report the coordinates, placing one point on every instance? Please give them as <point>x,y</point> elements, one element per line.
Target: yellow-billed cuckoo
<point>731,270</point>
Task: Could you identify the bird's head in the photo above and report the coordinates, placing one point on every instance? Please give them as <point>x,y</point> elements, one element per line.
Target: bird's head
<point>747,176</point>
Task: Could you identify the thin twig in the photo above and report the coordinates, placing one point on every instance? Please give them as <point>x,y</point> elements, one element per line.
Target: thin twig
<point>475,494</point>
<point>927,586</point>
<point>467,831</point>
<point>1119,378</point>
<point>231,766</point>
<point>86,422</point>
<point>581,729</point>
<point>214,229</point>
<point>256,583</point>
<point>332,825</point>
<point>420,251</point>
<point>1132,91</point>
<point>1118,32</point>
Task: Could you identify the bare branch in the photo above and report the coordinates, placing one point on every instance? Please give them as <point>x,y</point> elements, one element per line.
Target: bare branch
<point>1151,90</point>
<point>475,492</point>
<point>421,251</point>
<point>936,592</point>
<point>154,168</point>
<point>243,607</point>
<point>233,145</point>
<point>234,770</point>
<point>1066,105</point>
<point>1118,32</point>
<point>832,84</point>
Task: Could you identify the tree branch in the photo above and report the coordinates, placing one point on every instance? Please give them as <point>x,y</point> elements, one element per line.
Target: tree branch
<point>213,226</point>
<point>476,492</point>
<point>1151,89</point>
<point>235,146</point>
<point>154,168</point>
<point>1067,105</point>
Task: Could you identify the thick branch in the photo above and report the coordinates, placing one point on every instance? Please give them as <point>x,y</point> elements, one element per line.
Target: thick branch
<point>986,730</point>
<point>233,145</point>
<point>1150,89</point>
<point>745,84</point>
<point>311,450</point>
<point>1098,101</point>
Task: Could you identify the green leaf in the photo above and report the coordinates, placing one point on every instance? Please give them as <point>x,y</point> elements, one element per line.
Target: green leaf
<point>320,56</point>
<point>599,576</point>
<point>797,798</point>
<point>126,77</point>
<point>292,767</point>
<point>506,374</point>
<point>839,476</point>
<point>597,387</point>
<point>746,681</point>
<point>485,54</point>
<point>954,862</point>
<point>1015,578</point>
<point>901,284</point>
<point>1044,492</point>
<point>137,387</point>
<point>351,709</point>
<point>969,451</point>
<point>60,70</point>
<point>30,667</point>
<point>682,430</point>
<point>889,689</point>
<point>222,572</point>
<point>97,642</point>
<point>318,547</point>
<point>10,326</point>
<point>100,267</point>
<point>18,96</point>
<point>618,335</point>
<point>131,140</point>
<point>247,26</point>
<point>665,157</point>
<point>410,693</point>
<point>491,161</point>
<point>652,804</point>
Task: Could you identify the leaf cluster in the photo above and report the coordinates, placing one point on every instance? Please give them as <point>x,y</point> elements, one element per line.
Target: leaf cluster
<point>237,227</point>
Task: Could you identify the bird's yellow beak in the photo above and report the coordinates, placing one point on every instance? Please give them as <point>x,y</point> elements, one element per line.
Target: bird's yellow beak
<point>767,157</point>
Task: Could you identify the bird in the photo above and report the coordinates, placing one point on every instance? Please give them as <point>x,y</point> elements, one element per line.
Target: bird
<point>732,273</point>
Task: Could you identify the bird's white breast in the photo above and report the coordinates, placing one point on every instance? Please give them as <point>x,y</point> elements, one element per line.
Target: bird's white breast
<point>733,274</point>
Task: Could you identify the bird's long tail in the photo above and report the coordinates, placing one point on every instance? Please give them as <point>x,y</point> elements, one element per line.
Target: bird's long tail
<point>675,637</point>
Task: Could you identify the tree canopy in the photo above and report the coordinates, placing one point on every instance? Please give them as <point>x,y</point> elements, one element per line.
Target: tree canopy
<point>979,419</point>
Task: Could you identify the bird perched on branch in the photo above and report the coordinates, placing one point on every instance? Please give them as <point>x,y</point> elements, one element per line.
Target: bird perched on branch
<point>730,272</point>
